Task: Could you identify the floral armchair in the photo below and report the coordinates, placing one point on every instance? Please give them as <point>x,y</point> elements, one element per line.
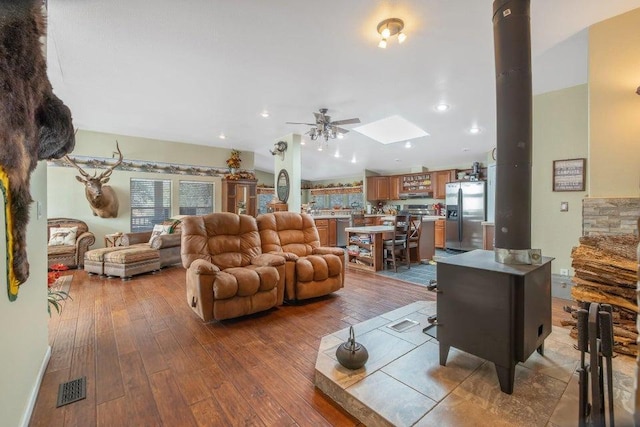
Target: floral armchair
<point>68,240</point>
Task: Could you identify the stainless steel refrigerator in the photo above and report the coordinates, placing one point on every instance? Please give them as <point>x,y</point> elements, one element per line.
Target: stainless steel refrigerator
<point>466,210</point>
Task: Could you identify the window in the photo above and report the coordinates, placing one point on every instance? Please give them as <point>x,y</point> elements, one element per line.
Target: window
<point>150,203</point>
<point>196,198</point>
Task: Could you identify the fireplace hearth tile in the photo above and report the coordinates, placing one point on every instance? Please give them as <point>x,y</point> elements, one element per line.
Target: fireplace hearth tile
<point>474,397</point>
<point>534,397</point>
<point>456,411</point>
<point>394,401</point>
<point>420,369</point>
<point>411,308</point>
<point>560,361</point>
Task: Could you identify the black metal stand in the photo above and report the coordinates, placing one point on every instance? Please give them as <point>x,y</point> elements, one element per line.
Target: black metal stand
<point>595,336</point>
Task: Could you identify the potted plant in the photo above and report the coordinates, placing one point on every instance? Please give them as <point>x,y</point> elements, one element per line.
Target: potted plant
<point>234,161</point>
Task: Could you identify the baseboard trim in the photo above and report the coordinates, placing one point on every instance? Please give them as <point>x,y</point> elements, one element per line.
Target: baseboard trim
<point>36,387</point>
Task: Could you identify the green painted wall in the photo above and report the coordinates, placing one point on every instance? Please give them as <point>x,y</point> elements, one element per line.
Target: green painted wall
<point>24,330</point>
<point>560,131</point>
<point>66,195</point>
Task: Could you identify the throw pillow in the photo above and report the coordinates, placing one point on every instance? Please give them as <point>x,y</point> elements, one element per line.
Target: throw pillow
<point>62,236</point>
<point>158,230</point>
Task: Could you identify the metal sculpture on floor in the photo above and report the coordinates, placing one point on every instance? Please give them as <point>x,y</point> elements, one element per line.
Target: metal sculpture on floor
<point>595,336</point>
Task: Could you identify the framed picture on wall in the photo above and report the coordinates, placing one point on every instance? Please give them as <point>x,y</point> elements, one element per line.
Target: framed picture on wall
<point>569,175</point>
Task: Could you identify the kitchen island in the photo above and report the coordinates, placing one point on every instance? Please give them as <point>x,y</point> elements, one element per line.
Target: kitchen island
<point>365,244</point>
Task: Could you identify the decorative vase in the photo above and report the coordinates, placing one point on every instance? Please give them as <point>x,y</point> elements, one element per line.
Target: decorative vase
<point>351,354</point>
<point>233,171</point>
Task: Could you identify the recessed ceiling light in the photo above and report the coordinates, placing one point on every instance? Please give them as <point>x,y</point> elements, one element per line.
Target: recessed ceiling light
<point>465,149</point>
<point>407,144</point>
<point>353,159</point>
<point>340,136</point>
<point>474,130</point>
<point>337,154</point>
<point>265,114</point>
<point>302,142</point>
<point>319,147</point>
<point>397,160</point>
<point>442,107</point>
<point>222,136</point>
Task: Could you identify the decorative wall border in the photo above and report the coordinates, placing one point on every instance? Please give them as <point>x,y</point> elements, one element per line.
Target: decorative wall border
<point>146,166</point>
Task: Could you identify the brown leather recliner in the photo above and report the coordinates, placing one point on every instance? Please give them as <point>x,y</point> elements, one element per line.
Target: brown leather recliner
<point>311,270</point>
<point>227,273</point>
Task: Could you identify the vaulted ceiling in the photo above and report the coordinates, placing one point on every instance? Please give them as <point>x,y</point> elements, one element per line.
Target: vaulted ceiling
<point>188,71</point>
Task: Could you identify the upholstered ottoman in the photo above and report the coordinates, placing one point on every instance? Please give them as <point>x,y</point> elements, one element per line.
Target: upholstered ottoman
<point>94,259</point>
<point>131,261</point>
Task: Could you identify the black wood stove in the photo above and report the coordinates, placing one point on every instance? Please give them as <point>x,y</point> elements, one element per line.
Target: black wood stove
<point>499,312</point>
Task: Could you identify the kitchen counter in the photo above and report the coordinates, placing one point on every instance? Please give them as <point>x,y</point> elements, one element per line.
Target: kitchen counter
<point>425,218</point>
<point>331,216</point>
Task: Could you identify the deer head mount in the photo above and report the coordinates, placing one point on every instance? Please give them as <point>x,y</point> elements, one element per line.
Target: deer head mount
<point>102,198</point>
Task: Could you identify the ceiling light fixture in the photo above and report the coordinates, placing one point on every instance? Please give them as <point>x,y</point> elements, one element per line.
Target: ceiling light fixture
<point>442,107</point>
<point>474,130</point>
<point>353,159</point>
<point>265,114</point>
<point>222,136</point>
<point>390,27</point>
<point>337,154</point>
<point>407,144</point>
<point>340,136</point>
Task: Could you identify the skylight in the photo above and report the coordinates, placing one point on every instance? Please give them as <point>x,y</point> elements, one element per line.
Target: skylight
<point>391,129</point>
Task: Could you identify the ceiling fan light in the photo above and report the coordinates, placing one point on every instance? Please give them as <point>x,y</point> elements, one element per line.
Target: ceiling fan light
<point>402,37</point>
<point>383,44</point>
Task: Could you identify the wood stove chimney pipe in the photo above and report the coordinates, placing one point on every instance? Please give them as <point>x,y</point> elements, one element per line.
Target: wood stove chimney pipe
<point>512,46</point>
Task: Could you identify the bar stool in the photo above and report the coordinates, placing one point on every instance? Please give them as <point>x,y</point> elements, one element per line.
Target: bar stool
<point>398,247</point>
<point>415,231</point>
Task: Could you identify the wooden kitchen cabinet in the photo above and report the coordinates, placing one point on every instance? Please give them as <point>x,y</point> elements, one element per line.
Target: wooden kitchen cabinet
<point>333,232</point>
<point>441,178</point>
<point>488,233</point>
<point>235,191</point>
<point>378,188</point>
<point>439,234</point>
<point>323,231</point>
<point>394,187</point>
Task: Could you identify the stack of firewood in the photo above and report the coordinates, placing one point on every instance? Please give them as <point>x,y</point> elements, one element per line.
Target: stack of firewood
<point>606,272</point>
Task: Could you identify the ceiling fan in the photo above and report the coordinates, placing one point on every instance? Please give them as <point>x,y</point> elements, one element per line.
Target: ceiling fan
<point>324,127</point>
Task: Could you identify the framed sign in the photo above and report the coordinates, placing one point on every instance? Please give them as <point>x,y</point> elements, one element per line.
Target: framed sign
<point>569,175</point>
<point>282,186</point>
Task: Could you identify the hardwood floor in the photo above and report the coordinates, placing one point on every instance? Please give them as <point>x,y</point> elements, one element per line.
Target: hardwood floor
<point>150,361</point>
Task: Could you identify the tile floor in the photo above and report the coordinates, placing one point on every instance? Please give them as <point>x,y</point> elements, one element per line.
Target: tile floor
<point>403,384</point>
<point>420,274</point>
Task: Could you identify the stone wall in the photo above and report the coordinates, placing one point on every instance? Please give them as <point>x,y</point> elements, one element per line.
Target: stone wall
<point>610,216</point>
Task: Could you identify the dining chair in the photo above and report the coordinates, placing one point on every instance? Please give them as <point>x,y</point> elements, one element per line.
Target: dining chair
<point>397,248</point>
<point>415,231</point>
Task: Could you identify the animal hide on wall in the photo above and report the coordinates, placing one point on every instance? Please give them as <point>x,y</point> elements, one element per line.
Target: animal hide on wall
<point>34,124</point>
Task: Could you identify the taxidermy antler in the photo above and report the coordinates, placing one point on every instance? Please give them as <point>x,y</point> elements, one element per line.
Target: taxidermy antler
<point>102,198</point>
<point>34,125</point>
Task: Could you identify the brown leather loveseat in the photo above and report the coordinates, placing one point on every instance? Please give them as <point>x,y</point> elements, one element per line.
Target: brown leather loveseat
<point>311,270</point>
<point>227,273</point>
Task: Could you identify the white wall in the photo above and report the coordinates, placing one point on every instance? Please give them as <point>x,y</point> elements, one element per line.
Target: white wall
<point>23,323</point>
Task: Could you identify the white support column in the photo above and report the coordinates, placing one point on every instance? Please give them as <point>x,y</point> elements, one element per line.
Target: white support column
<point>291,163</point>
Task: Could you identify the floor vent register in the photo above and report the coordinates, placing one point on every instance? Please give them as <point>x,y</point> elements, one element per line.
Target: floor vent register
<point>72,391</point>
